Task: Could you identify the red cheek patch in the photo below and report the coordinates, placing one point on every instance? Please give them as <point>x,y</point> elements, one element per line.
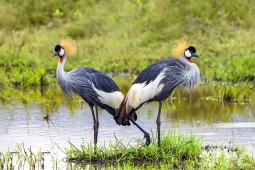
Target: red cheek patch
<point>60,59</point>
<point>190,61</point>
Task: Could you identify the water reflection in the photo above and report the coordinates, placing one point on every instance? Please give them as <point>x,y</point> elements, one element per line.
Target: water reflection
<point>23,112</point>
<point>208,111</point>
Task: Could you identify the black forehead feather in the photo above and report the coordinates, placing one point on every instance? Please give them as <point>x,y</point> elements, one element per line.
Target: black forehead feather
<point>192,49</point>
<point>57,48</point>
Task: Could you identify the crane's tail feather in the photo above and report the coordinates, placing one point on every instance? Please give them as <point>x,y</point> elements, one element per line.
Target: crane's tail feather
<point>121,115</point>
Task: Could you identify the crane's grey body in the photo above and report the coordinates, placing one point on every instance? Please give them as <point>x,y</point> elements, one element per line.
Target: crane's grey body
<point>88,83</point>
<point>83,82</point>
<point>96,88</point>
<point>156,83</point>
<point>167,75</point>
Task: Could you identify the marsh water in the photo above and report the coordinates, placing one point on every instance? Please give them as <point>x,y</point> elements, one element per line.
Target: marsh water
<point>23,111</point>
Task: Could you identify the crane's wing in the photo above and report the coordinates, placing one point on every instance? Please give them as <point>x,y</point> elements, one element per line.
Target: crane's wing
<point>95,88</point>
<point>151,73</point>
<point>101,81</point>
<point>155,83</point>
<point>91,76</point>
<point>108,93</point>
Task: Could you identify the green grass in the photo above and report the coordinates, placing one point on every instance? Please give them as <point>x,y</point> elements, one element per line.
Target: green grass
<point>23,156</point>
<point>178,151</point>
<point>234,92</point>
<point>228,157</point>
<point>125,36</point>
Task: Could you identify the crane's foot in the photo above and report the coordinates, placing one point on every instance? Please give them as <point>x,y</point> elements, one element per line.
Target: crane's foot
<point>148,139</point>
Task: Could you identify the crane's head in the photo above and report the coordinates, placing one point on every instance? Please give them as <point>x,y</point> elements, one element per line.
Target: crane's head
<point>67,46</point>
<point>180,48</point>
<point>190,52</point>
<point>59,51</point>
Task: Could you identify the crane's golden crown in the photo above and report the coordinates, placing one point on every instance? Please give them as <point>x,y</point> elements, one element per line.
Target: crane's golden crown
<point>179,47</point>
<point>69,45</point>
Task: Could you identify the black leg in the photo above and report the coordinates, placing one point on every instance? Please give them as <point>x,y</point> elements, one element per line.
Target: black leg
<point>95,127</point>
<point>146,135</point>
<point>159,122</point>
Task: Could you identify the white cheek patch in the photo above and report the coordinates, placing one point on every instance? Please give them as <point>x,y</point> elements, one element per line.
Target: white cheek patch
<point>187,54</point>
<point>62,52</point>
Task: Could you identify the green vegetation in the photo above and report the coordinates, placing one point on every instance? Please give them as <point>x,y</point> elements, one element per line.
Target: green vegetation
<point>127,36</point>
<point>124,36</point>
<point>177,151</point>
<point>22,157</point>
<point>234,92</point>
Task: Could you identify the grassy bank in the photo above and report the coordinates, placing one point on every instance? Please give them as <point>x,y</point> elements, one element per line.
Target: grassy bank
<point>124,36</point>
<point>175,149</point>
<point>177,152</point>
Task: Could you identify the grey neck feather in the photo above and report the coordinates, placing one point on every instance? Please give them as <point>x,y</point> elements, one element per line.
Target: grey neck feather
<point>62,78</point>
<point>60,68</point>
<point>191,75</point>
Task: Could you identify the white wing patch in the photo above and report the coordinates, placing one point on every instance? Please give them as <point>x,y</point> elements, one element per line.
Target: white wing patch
<point>112,99</point>
<point>139,93</point>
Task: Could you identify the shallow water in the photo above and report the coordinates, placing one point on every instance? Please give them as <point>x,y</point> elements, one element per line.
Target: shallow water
<point>22,120</point>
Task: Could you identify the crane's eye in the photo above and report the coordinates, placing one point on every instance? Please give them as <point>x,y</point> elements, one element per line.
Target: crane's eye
<point>57,48</point>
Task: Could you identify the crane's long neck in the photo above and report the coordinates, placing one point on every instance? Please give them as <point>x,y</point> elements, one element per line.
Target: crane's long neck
<point>63,78</point>
<point>60,69</point>
<point>191,74</point>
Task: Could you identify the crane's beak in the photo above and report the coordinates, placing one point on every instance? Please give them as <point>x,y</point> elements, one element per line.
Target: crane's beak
<point>194,55</point>
<point>55,54</point>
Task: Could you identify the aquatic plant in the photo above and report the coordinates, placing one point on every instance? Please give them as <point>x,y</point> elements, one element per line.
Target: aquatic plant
<point>177,151</point>
<point>234,92</point>
<point>22,156</point>
<point>227,157</point>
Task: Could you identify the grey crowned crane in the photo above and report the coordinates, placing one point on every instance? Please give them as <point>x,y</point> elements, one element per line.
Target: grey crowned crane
<point>96,88</point>
<point>157,82</point>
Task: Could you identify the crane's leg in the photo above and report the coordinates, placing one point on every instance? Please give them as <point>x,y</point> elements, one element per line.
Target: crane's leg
<point>94,126</point>
<point>146,135</point>
<point>159,122</point>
